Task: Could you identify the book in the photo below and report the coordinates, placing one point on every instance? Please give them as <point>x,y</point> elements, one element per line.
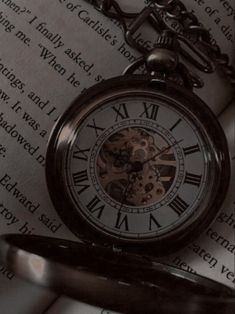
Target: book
<point>51,51</point>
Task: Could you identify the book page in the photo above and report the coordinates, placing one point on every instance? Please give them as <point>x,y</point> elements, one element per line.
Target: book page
<point>50,52</point>
<point>68,306</point>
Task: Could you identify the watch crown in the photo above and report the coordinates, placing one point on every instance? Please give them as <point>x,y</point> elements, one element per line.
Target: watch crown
<point>164,57</point>
<point>167,40</point>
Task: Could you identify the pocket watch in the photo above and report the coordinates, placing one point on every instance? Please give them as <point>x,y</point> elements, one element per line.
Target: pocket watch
<point>136,168</point>
<point>139,162</point>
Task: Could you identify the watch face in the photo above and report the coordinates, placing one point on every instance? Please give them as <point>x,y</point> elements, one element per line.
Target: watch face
<point>135,166</point>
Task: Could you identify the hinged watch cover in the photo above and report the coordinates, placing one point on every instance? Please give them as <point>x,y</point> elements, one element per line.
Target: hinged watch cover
<point>114,280</point>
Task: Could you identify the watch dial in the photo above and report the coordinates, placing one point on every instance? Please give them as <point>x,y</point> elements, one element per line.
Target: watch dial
<point>137,167</point>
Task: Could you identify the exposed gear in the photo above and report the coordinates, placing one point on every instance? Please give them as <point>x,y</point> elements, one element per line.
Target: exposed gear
<point>120,155</point>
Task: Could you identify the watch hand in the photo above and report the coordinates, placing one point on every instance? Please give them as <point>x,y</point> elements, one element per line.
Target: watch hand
<point>131,180</point>
<point>161,152</point>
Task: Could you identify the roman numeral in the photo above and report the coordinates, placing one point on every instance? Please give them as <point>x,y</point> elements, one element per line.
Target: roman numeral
<point>96,128</point>
<point>178,205</point>
<point>121,112</point>
<point>81,154</point>
<point>96,206</point>
<point>150,111</point>
<point>78,179</point>
<point>175,125</point>
<point>193,179</point>
<point>191,149</point>
<point>153,221</point>
<point>122,222</point>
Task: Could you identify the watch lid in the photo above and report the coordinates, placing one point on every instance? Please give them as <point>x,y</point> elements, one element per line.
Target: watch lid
<point>112,279</point>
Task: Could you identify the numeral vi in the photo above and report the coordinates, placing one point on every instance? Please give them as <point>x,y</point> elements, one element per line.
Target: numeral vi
<point>122,222</point>
<point>96,206</point>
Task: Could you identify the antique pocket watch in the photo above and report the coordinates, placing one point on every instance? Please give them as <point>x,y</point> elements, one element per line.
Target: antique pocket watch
<point>139,162</point>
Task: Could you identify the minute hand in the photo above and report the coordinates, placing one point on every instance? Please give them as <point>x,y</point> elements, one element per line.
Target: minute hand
<point>161,152</point>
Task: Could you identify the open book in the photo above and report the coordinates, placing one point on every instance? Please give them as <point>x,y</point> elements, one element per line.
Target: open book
<point>50,52</point>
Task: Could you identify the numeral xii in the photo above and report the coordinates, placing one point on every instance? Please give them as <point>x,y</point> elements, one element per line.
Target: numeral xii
<point>150,111</point>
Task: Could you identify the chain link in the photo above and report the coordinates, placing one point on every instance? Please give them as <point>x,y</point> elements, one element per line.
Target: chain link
<point>192,33</point>
<point>176,10</point>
